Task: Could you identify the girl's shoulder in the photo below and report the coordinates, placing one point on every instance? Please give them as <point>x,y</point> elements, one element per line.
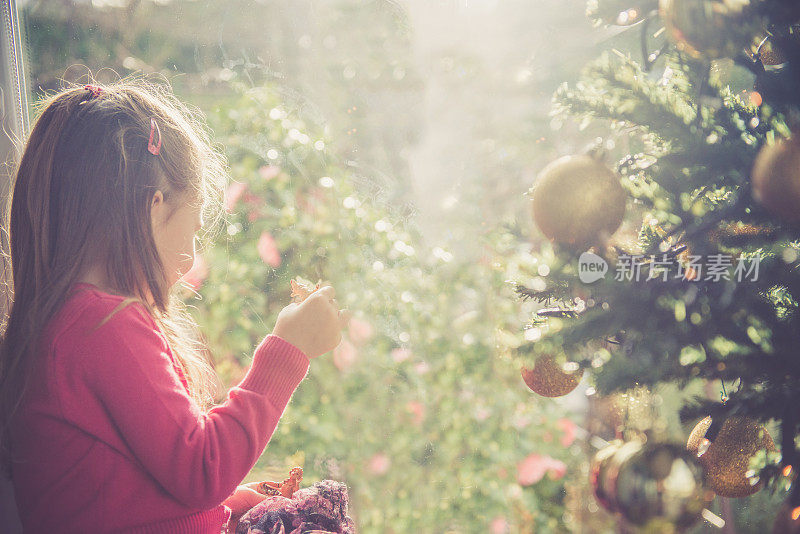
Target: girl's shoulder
<point>89,312</point>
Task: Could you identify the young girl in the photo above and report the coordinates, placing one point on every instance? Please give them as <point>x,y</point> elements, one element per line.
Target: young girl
<point>104,392</point>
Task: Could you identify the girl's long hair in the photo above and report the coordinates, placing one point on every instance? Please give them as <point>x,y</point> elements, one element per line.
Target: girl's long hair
<point>81,196</point>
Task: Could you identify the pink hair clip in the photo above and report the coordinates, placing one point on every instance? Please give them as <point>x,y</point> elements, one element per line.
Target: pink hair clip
<point>154,149</point>
<point>95,89</point>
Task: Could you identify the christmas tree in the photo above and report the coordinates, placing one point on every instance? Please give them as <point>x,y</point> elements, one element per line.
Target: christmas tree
<point>674,256</point>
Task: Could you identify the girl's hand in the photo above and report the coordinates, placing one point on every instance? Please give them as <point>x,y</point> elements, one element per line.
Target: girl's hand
<point>240,501</point>
<point>315,325</point>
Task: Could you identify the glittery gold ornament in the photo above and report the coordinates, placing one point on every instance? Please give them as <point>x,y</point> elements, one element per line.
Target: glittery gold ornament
<point>710,28</point>
<point>726,456</point>
<point>660,488</point>
<point>772,55</point>
<point>776,179</point>
<point>578,201</point>
<point>549,379</point>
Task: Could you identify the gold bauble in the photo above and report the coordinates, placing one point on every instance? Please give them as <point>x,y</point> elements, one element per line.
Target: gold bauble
<point>710,28</point>
<point>549,379</point>
<point>726,458</point>
<point>660,488</point>
<point>776,179</point>
<point>578,201</point>
<point>772,55</point>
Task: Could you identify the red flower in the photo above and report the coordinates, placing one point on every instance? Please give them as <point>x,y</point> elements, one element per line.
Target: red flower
<point>345,355</point>
<point>195,276</point>
<point>232,195</point>
<point>499,525</point>
<point>568,426</point>
<point>417,409</point>
<point>360,331</point>
<point>401,354</point>
<point>422,367</point>
<point>268,172</point>
<point>268,250</point>
<point>379,464</point>
<point>533,468</point>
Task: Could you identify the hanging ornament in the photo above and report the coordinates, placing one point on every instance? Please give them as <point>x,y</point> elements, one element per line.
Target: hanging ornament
<point>608,468</point>
<point>598,473</point>
<point>549,379</point>
<point>776,178</point>
<point>619,12</point>
<point>725,453</point>
<point>660,488</point>
<point>656,486</point>
<point>578,201</point>
<point>710,28</point>
<point>771,55</point>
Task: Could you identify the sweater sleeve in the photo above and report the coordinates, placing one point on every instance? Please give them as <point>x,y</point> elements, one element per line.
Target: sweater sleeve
<point>198,457</point>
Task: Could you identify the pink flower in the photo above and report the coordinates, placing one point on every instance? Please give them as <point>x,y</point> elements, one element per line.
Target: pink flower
<point>482,413</point>
<point>499,525</point>
<point>268,172</point>
<point>520,421</point>
<point>232,195</point>
<point>422,367</point>
<point>379,464</point>
<point>345,355</point>
<point>195,276</point>
<point>401,355</point>
<point>417,409</point>
<point>568,426</point>
<point>557,469</point>
<point>254,201</point>
<point>360,331</point>
<point>268,250</point>
<point>533,468</point>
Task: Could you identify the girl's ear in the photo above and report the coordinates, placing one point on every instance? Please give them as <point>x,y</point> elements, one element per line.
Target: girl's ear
<point>157,206</point>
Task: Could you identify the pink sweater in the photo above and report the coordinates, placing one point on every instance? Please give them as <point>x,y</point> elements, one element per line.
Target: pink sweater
<point>110,439</point>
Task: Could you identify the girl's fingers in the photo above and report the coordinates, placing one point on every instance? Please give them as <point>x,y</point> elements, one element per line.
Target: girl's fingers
<point>327,291</point>
<point>251,497</point>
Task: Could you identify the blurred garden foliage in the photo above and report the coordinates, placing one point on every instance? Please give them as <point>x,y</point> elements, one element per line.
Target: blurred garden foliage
<point>428,423</point>
<point>421,410</point>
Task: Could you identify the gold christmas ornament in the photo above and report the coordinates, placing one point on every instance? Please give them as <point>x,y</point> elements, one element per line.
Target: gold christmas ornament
<point>710,28</point>
<point>776,179</point>
<point>578,201</point>
<point>549,379</point>
<point>726,456</point>
<point>772,55</point>
<point>660,488</point>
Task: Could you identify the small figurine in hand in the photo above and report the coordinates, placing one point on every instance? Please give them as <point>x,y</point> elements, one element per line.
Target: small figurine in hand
<point>301,289</point>
<point>285,488</point>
